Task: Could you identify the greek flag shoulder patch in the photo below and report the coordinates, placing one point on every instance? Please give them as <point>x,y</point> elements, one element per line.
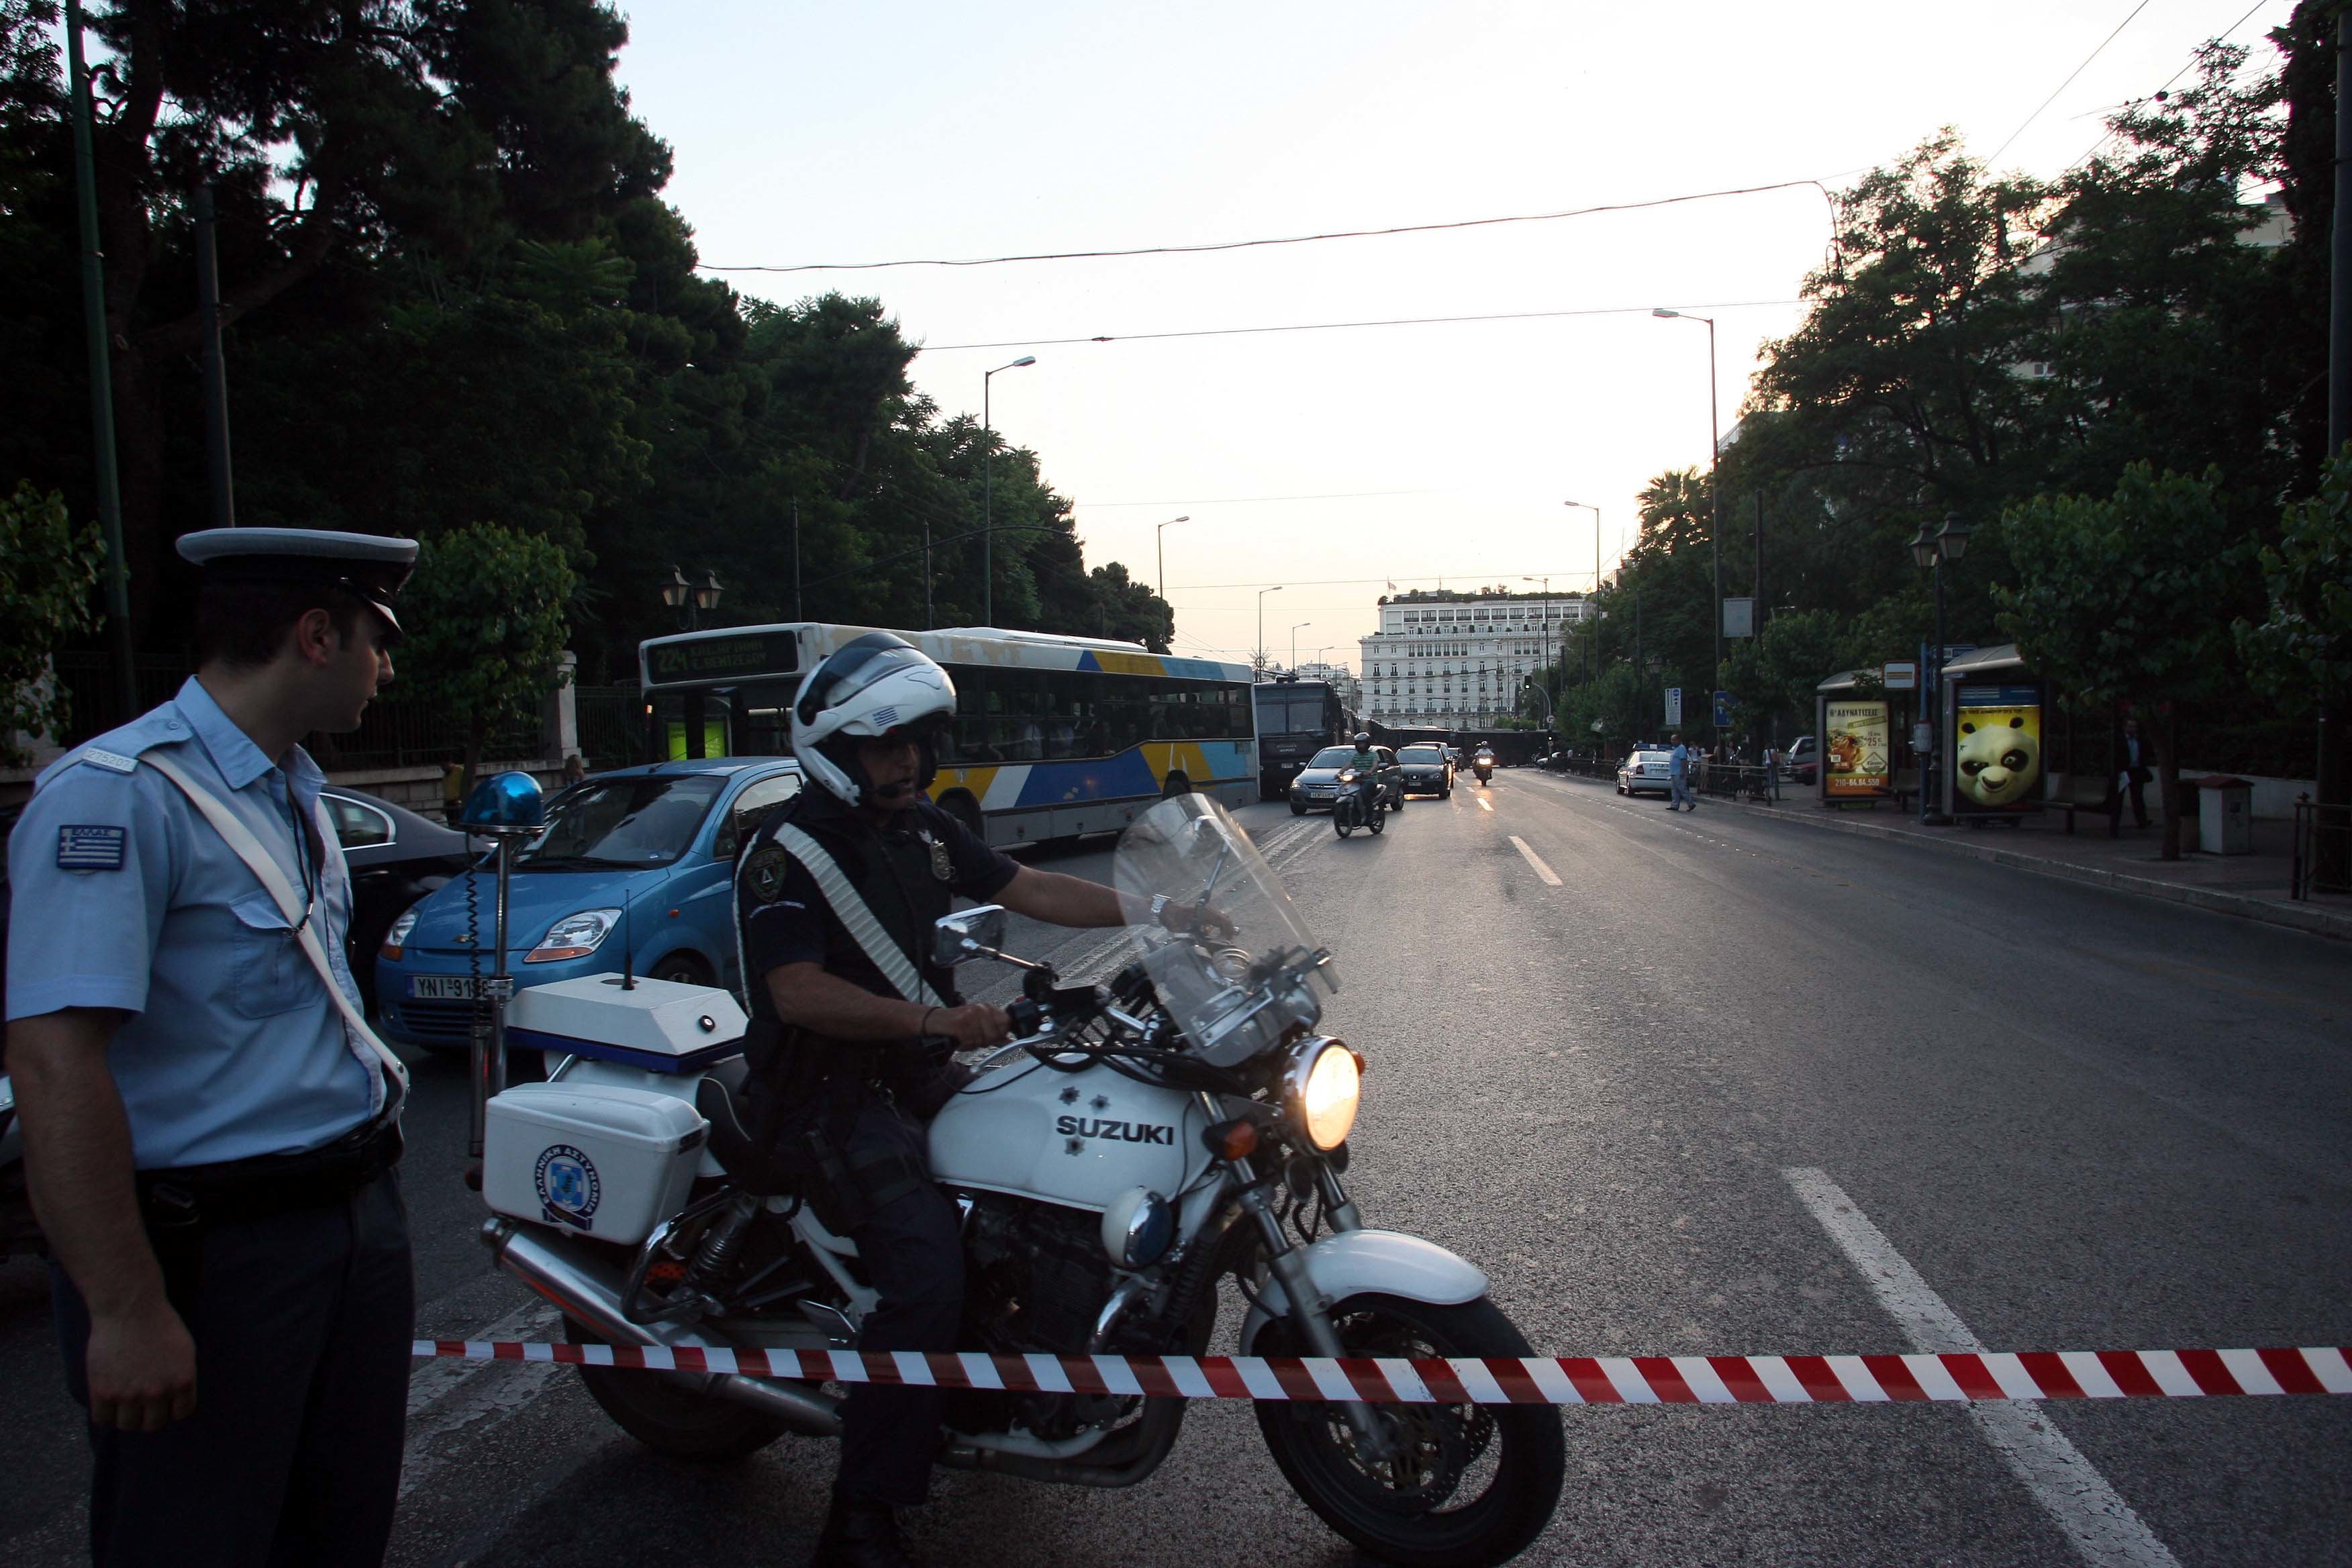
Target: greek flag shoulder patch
<point>85,847</point>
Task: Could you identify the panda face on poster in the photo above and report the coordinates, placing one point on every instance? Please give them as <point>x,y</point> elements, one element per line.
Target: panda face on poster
<point>1997,763</point>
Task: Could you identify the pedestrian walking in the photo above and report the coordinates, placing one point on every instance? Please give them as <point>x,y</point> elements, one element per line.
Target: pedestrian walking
<point>1772,773</point>
<point>2132,773</point>
<point>210,1127</point>
<point>1678,763</point>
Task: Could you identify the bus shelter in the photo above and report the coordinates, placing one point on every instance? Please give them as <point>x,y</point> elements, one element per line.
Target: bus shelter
<point>1990,711</point>
<point>1862,745</point>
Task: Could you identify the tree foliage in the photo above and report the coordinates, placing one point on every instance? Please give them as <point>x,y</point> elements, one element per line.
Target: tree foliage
<point>485,613</point>
<point>2300,652</point>
<point>48,574</point>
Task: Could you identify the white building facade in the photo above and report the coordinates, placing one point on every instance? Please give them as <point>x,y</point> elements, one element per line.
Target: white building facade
<point>1459,659</point>
<point>1344,685</point>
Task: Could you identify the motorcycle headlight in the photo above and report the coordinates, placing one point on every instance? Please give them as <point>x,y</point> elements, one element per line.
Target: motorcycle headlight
<point>1346,776</point>
<point>397,937</point>
<point>1320,1091</point>
<point>574,936</point>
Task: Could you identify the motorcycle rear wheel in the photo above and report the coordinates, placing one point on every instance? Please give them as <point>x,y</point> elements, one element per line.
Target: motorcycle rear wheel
<point>1407,1511</point>
<point>670,1419</point>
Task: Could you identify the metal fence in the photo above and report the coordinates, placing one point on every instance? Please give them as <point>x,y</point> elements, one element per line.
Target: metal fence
<point>613,726</point>
<point>2323,850</point>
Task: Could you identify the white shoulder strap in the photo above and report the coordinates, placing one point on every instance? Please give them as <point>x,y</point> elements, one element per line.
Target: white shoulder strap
<point>248,849</point>
<point>860,920</point>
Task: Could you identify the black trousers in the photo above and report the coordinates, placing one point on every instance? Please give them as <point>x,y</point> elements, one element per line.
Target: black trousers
<point>2139,791</point>
<point>913,1252</point>
<point>303,1323</point>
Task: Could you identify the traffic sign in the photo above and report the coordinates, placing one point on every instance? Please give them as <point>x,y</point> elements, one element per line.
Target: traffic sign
<point>1901,675</point>
<point>1674,706</point>
<point>1723,709</point>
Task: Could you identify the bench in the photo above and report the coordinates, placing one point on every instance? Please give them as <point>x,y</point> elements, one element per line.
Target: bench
<point>2083,791</point>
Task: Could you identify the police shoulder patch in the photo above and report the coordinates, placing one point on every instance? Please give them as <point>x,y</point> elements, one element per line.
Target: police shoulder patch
<point>90,846</point>
<point>763,872</point>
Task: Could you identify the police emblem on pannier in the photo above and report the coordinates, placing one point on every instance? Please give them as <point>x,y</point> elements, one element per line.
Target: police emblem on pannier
<point>569,1191</point>
<point>764,873</point>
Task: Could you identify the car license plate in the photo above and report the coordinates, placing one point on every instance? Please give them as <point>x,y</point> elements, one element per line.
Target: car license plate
<point>441,987</point>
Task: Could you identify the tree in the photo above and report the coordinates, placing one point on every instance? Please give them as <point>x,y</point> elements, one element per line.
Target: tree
<point>2300,654</point>
<point>48,570</point>
<point>2121,601</point>
<point>486,628</point>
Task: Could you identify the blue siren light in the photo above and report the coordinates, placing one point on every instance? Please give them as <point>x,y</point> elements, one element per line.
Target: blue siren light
<point>505,802</point>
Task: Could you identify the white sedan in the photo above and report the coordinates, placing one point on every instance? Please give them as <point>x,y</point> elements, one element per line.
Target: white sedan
<point>1644,770</point>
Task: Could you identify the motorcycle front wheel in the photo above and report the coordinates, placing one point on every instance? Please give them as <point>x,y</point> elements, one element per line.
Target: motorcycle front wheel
<point>1468,1484</point>
<point>670,1419</point>
<point>1379,820</point>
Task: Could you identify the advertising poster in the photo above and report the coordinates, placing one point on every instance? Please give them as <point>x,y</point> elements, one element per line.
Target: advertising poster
<point>1995,750</point>
<point>1856,751</point>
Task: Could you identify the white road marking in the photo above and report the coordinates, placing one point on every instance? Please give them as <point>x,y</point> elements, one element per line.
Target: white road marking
<point>437,1379</point>
<point>2102,1527</point>
<point>1550,877</point>
<point>1486,804</point>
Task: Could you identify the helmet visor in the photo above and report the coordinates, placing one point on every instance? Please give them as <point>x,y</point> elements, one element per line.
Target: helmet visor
<point>854,667</point>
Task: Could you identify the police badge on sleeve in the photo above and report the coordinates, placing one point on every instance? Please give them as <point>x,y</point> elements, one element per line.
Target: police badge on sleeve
<point>942,867</point>
<point>763,872</point>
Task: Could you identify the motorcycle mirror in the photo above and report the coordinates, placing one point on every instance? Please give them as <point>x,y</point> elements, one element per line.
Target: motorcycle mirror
<point>976,932</point>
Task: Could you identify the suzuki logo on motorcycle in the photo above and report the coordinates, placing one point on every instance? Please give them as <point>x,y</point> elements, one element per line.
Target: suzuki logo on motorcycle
<point>1116,1132</point>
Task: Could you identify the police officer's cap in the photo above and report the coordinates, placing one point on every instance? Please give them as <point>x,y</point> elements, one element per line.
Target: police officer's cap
<point>368,566</point>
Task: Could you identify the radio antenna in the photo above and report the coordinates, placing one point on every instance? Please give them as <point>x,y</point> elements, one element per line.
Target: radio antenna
<point>628,968</point>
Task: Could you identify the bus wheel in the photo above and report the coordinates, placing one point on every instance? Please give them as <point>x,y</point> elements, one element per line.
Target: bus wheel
<point>965,810</point>
<point>1177,784</point>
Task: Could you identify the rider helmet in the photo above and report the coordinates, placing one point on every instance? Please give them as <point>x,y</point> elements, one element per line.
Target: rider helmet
<point>1363,739</point>
<point>878,685</point>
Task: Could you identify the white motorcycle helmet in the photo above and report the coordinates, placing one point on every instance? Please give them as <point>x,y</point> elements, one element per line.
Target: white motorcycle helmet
<point>878,685</point>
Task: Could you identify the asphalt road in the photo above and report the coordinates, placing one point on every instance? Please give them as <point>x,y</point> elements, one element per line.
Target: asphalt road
<point>1648,1100</point>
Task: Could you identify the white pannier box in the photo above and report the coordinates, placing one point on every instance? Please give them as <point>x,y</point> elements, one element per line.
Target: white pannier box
<point>598,1158</point>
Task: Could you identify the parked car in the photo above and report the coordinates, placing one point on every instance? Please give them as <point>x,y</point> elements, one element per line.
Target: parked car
<point>1425,771</point>
<point>1318,783</point>
<point>643,856</point>
<point>1802,760</point>
<point>1644,772</point>
<point>397,858</point>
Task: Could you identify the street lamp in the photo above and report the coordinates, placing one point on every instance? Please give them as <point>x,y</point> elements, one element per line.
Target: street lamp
<point>1262,592</point>
<point>1294,645</point>
<point>1595,511</point>
<point>1159,547</point>
<point>1714,497</point>
<point>691,600</point>
<point>987,479</point>
<point>1931,551</point>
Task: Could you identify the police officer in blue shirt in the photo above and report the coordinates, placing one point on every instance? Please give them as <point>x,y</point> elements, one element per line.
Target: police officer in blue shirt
<point>209,1135</point>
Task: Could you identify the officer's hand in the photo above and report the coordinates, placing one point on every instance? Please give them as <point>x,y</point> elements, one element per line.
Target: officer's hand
<point>973,1024</point>
<point>142,1366</point>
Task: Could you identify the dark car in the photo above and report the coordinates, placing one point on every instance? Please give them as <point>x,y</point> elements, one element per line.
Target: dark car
<point>1426,770</point>
<point>397,858</point>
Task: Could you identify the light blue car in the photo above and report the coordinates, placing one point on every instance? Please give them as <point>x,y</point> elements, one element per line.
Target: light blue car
<point>641,859</point>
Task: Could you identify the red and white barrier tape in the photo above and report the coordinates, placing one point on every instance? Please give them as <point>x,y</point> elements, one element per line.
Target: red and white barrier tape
<point>1533,1379</point>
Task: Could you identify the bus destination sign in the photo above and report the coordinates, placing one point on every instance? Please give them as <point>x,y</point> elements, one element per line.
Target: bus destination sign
<point>719,658</point>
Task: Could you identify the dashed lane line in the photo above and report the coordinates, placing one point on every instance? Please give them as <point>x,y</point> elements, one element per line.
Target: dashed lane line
<point>2102,1527</point>
<point>1550,877</point>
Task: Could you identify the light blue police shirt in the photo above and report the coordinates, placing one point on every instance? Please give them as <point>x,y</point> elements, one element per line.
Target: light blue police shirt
<point>121,896</point>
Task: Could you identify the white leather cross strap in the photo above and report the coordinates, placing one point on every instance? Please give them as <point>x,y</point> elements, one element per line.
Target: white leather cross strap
<point>859,921</point>
<point>248,849</point>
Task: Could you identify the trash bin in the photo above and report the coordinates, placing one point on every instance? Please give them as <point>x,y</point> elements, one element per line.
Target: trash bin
<point>2225,815</point>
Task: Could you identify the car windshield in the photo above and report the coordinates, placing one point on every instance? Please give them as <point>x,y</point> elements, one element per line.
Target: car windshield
<point>1332,757</point>
<point>622,822</point>
<point>1421,754</point>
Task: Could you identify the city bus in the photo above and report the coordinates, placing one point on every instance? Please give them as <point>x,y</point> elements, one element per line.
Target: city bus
<point>1054,736</point>
<point>1295,719</point>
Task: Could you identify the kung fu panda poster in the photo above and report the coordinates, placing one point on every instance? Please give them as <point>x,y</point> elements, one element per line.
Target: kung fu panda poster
<point>1995,750</point>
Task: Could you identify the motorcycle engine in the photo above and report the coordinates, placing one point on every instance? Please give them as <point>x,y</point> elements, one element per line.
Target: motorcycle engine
<point>1036,1280</point>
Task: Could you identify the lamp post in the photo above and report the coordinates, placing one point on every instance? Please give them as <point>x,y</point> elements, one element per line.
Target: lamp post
<point>691,600</point>
<point>1931,551</point>
<point>1595,511</point>
<point>1159,547</point>
<point>1714,503</point>
<point>1294,645</point>
<point>1262,592</point>
<point>987,482</point>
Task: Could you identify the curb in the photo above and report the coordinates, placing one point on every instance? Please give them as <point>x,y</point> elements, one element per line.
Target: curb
<point>2318,922</point>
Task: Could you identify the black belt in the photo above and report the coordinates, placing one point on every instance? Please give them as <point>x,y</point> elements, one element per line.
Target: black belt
<point>184,1201</point>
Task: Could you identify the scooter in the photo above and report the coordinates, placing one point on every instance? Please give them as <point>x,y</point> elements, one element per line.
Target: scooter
<point>1137,1145</point>
<point>1357,806</point>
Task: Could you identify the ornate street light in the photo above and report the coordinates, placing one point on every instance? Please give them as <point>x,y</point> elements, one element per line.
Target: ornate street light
<point>1930,551</point>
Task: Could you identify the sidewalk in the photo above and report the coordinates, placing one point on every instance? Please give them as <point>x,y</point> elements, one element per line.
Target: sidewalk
<point>2253,886</point>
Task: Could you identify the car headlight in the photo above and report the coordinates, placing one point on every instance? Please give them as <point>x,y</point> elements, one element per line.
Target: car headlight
<point>1321,1091</point>
<point>574,936</point>
<point>397,937</point>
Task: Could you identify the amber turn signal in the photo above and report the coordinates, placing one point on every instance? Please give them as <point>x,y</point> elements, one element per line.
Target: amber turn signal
<point>1232,1139</point>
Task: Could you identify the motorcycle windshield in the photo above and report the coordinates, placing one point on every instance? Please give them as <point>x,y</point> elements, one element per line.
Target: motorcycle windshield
<point>1190,849</point>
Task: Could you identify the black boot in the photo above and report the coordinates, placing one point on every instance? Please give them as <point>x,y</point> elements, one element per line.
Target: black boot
<point>860,1533</point>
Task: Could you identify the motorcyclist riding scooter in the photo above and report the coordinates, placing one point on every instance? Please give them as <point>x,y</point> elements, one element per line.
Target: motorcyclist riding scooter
<point>1483,765</point>
<point>1361,773</point>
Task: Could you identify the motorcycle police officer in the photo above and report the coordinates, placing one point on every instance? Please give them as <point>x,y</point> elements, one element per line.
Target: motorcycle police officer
<point>846,1067</point>
<point>209,1130</point>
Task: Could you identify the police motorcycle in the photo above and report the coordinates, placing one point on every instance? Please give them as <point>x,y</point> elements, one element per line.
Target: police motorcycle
<point>1139,1143</point>
<point>1482,764</point>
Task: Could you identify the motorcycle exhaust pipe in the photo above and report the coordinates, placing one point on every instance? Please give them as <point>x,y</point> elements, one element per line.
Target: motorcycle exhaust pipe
<point>573,1285</point>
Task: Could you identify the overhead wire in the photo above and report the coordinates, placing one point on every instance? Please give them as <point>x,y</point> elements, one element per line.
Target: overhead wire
<point>2091,152</point>
<point>2062,86</point>
<point>1288,239</point>
<point>1349,326</point>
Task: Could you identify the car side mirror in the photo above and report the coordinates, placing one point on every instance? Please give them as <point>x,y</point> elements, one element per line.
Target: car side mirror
<point>976,932</point>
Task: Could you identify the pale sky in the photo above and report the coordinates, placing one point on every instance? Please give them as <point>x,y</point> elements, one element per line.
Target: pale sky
<point>841,134</point>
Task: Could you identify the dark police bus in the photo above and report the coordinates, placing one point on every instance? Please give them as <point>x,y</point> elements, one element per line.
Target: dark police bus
<point>1295,719</point>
